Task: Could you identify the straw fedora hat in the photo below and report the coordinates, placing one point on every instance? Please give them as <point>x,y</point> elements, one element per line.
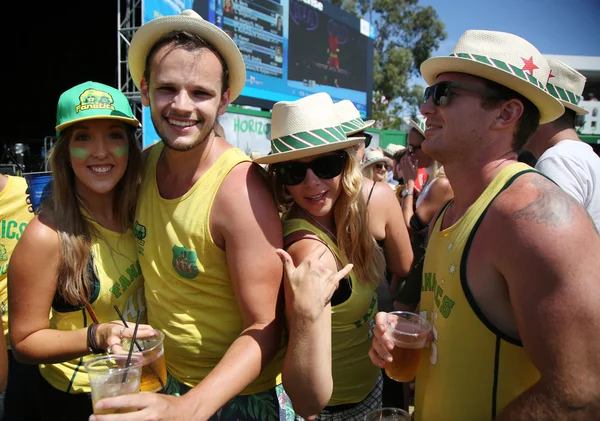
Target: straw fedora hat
<point>566,84</point>
<point>373,156</point>
<point>306,127</point>
<point>391,149</point>
<point>350,117</point>
<point>502,58</point>
<point>419,126</point>
<point>149,33</point>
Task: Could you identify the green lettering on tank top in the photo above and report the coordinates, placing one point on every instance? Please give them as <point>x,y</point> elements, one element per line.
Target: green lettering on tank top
<point>116,290</point>
<point>447,305</point>
<point>437,296</point>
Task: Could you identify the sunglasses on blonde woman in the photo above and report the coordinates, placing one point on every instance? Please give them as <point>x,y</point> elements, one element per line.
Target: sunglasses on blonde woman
<point>325,167</point>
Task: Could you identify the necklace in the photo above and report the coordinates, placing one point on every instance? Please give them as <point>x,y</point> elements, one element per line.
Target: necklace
<point>110,248</point>
<point>332,235</point>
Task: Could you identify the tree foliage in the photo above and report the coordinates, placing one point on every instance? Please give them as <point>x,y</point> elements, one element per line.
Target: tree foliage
<point>407,33</point>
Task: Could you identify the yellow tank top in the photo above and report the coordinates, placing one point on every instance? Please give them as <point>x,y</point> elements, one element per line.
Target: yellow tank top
<point>472,370</point>
<point>118,281</point>
<point>354,375</point>
<point>188,287</point>
<point>14,217</point>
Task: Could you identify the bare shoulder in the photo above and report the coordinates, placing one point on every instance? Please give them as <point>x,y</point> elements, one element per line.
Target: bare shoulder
<point>246,180</point>
<point>534,217</point>
<point>300,249</point>
<point>40,234</point>
<point>382,193</point>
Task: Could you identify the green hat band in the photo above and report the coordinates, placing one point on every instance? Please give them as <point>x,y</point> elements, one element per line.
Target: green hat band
<point>499,64</point>
<point>307,140</point>
<point>562,94</point>
<point>353,125</point>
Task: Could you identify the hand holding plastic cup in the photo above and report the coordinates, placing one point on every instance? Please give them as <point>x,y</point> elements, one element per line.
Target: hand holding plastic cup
<point>111,376</point>
<point>40,187</point>
<point>154,365</point>
<point>408,331</point>
<point>388,414</point>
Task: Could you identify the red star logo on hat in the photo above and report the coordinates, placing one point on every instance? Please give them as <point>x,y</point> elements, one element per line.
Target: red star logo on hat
<point>550,76</point>
<point>529,65</point>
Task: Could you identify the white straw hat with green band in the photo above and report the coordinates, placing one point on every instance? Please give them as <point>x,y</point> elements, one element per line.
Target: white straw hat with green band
<point>566,84</point>
<point>306,127</point>
<point>503,58</point>
<point>350,117</point>
<point>419,126</point>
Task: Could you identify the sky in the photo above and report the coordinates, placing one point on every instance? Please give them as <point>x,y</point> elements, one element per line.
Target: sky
<point>564,27</point>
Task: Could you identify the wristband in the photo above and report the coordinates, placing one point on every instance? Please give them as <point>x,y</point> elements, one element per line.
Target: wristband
<point>91,339</point>
<point>407,192</point>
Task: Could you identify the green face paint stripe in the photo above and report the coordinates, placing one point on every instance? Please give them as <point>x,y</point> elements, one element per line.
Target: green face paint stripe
<point>79,153</point>
<point>121,151</point>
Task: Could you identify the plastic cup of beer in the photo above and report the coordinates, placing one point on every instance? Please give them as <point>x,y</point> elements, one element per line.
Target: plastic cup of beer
<point>40,187</point>
<point>111,376</point>
<point>154,365</point>
<point>388,414</point>
<point>408,331</point>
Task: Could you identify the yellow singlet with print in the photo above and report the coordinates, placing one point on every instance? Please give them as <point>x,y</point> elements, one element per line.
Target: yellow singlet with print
<point>354,375</point>
<point>189,291</point>
<point>471,370</point>
<point>117,281</point>
<point>14,217</point>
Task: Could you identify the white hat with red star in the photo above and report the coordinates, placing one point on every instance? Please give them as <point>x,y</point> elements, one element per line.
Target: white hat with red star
<point>566,84</point>
<point>504,58</point>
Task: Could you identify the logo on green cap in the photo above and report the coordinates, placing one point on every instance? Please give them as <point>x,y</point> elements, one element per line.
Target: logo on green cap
<point>94,99</point>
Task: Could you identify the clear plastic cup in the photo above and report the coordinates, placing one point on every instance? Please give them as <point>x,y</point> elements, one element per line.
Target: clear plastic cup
<point>109,376</point>
<point>388,414</point>
<point>154,368</point>
<point>409,332</point>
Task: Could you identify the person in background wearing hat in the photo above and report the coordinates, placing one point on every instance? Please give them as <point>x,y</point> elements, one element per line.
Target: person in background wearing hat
<point>69,256</point>
<point>201,196</point>
<point>14,216</point>
<point>386,226</point>
<point>318,184</point>
<point>375,165</point>
<point>560,154</point>
<point>512,298</point>
<point>435,193</point>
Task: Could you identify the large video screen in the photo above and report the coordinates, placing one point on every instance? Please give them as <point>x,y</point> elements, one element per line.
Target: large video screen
<point>293,48</point>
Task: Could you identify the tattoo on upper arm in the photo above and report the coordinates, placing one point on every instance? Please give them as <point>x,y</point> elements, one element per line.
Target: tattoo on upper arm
<point>549,207</point>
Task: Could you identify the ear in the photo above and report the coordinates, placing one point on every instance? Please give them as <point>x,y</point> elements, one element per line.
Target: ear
<point>144,90</point>
<point>224,102</point>
<point>508,114</point>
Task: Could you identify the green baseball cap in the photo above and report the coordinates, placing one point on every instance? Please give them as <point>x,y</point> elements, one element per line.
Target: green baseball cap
<point>92,100</point>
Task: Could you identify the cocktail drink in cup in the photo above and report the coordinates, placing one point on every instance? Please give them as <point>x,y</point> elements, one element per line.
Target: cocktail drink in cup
<point>110,376</point>
<point>154,369</point>
<point>408,331</point>
<point>388,414</point>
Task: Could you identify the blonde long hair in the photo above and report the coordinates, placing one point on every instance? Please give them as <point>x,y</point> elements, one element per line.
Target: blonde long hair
<point>74,232</point>
<point>356,244</point>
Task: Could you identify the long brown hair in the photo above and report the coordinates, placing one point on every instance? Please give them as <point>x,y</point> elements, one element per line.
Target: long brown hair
<point>74,231</point>
<point>356,244</point>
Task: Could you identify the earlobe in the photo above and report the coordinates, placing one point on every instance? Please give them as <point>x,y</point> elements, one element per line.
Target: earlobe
<point>508,114</point>
<point>224,102</point>
<point>144,92</point>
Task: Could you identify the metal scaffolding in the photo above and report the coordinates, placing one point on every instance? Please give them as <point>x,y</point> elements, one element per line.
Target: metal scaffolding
<point>129,19</point>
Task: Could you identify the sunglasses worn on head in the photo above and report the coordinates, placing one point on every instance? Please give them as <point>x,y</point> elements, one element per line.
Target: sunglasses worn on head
<point>442,92</point>
<point>325,167</point>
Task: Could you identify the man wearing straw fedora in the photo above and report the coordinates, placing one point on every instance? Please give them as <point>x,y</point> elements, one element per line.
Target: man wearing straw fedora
<point>512,298</point>
<point>560,154</point>
<point>207,229</point>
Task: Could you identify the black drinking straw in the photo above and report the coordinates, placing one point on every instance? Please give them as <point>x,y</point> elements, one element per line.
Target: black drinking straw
<point>135,329</point>
<point>126,325</point>
<point>162,385</point>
